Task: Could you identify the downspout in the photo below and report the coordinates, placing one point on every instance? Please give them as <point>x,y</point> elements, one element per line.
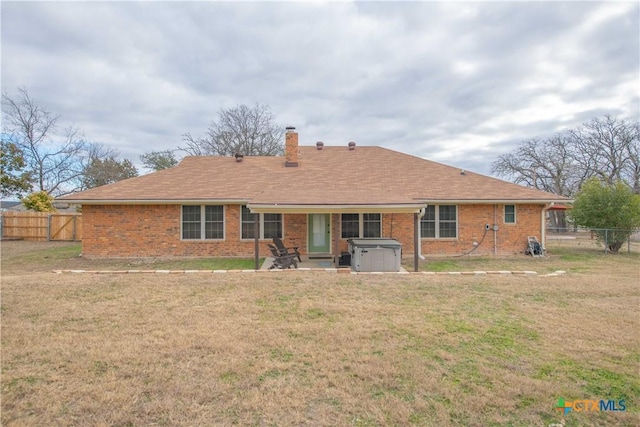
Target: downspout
<point>421,215</point>
<point>543,224</point>
<point>256,240</point>
<point>416,242</point>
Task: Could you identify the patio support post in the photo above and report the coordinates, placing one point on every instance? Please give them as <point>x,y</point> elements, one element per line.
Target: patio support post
<point>256,240</point>
<point>334,221</point>
<point>416,241</point>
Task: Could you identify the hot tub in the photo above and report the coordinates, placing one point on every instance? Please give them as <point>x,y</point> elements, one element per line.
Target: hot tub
<point>375,255</point>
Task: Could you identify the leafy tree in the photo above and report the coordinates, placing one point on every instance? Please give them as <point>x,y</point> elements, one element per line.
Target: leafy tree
<point>158,160</point>
<point>615,207</point>
<point>53,167</point>
<point>40,201</point>
<point>250,131</point>
<point>106,171</point>
<point>13,178</point>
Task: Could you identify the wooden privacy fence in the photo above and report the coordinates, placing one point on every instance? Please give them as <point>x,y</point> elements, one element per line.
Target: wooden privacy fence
<point>41,226</point>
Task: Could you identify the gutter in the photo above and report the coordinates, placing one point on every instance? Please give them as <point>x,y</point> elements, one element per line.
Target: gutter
<point>408,207</point>
<point>494,201</point>
<point>150,201</point>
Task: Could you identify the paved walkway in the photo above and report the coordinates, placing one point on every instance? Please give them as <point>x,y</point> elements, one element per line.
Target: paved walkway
<point>327,270</point>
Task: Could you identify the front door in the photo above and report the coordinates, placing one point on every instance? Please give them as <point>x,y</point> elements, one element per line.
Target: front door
<point>319,233</point>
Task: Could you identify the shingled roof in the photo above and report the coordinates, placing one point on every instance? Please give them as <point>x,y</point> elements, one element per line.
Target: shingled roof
<point>332,176</point>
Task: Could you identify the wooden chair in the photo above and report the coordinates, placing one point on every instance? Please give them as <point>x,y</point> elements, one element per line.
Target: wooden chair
<point>282,261</point>
<point>285,250</point>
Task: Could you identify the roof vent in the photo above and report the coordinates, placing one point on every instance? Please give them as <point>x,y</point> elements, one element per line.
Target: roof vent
<point>463,172</point>
<point>239,157</point>
<point>319,145</point>
<point>352,145</point>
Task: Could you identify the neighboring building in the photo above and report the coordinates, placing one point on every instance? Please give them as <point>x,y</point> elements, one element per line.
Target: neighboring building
<point>17,206</point>
<point>316,198</point>
<point>11,206</point>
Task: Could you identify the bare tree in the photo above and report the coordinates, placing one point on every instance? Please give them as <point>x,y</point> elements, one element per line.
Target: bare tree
<point>607,149</point>
<point>53,167</point>
<point>631,170</point>
<point>545,164</point>
<point>250,131</point>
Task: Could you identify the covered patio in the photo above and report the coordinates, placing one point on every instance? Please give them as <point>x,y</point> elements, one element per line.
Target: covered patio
<point>331,227</point>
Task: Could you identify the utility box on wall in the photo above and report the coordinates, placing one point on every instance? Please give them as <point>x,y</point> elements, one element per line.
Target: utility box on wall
<point>379,255</point>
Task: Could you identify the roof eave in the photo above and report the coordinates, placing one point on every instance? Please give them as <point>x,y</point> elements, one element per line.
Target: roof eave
<point>318,208</point>
<point>337,208</point>
<point>495,201</point>
<point>151,201</point>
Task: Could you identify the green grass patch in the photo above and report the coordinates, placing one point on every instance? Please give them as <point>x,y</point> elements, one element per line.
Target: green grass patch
<point>595,382</point>
<point>281,355</point>
<point>315,313</point>
<point>508,339</point>
<point>576,257</point>
<point>229,377</point>
<point>573,260</point>
<point>53,253</point>
<point>272,373</point>
<point>444,265</point>
<point>454,325</point>
<point>207,264</point>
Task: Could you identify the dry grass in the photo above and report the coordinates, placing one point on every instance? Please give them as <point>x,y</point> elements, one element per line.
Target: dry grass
<point>302,348</point>
<point>33,256</point>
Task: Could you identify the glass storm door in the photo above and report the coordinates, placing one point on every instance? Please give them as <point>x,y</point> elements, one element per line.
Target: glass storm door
<point>319,233</point>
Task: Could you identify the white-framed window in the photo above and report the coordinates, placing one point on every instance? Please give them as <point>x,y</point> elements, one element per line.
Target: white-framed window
<point>350,226</point>
<point>440,222</point>
<point>356,225</point>
<point>270,225</point>
<point>202,222</point>
<point>509,214</point>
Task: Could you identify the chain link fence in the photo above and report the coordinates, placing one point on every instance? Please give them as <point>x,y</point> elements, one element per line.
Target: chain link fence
<point>601,239</point>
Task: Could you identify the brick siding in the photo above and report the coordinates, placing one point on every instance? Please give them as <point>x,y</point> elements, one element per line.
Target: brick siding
<point>111,231</point>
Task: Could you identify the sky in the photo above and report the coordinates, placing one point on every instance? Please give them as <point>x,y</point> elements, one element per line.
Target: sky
<point>455,82</point>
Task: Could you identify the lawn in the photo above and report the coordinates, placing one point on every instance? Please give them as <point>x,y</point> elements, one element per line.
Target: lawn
<point>312,348</point>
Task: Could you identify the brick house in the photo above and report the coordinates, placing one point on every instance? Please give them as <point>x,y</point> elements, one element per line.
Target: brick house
<point>316,198</point>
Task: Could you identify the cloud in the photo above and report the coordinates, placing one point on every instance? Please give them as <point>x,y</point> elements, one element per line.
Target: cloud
<point>455,82</point>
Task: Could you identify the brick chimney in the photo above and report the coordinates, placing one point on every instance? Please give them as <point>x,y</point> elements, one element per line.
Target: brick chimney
<point>291,147</point>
